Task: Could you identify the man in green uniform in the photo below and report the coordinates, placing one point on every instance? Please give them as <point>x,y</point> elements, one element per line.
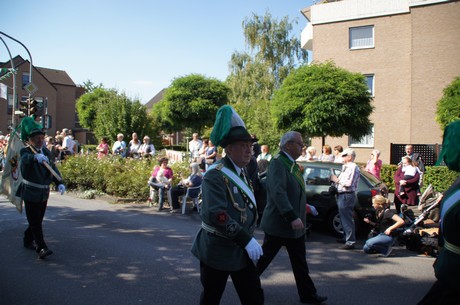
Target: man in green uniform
<point>283,220</point>
<point>225,244</point>
<point>447,265</point>
<point>36,182</point>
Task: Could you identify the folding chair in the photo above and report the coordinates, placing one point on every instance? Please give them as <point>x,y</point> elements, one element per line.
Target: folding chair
<point>195,199</point>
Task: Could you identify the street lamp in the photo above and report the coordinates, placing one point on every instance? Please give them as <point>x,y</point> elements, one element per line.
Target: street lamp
<point>30,84</point>
<point>14,83</point>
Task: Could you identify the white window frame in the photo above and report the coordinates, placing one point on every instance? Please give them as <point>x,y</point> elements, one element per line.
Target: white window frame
<point>366,141</point>
<point>370,79</point>
<point>361,38</point>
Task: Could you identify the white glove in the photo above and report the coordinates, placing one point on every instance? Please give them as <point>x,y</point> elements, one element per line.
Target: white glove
<point>61,189</point>
<point>313,210</point>
<point>40,158</point>
<point>254,249</point>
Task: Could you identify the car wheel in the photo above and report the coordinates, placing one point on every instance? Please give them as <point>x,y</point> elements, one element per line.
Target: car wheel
<point>334,223</point>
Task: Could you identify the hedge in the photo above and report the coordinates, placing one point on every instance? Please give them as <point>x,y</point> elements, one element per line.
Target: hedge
<point>127,178</point>
<point>439,176</point>
<point>112,175</point>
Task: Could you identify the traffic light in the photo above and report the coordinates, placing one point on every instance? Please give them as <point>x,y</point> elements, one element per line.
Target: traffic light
<point>36,107</point>
<point>24,108</point>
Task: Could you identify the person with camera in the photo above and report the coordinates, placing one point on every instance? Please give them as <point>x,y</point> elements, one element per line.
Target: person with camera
<point>383,234</point>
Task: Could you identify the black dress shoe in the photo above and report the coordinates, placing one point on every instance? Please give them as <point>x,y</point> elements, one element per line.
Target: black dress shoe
<point>44,253</point>
<point>314,299</point>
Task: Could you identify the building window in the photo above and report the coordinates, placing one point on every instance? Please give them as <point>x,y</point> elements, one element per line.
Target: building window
<point>10,101</point>
<point>362,37</point>
<point>25,79</point>
<point>370,83</point>
<point>366,141</point>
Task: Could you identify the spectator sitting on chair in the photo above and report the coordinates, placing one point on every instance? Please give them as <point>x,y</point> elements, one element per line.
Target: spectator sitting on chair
<point>160,180</point>
<point>195,179</point>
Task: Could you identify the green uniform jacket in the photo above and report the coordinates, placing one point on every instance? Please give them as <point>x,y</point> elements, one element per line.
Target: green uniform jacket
<point>224,250</point>
<point>36,173</point>
<point>447,265</point>
<point>286,199</point>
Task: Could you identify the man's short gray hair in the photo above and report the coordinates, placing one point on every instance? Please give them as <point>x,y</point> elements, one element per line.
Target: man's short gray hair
<point>287,137</point>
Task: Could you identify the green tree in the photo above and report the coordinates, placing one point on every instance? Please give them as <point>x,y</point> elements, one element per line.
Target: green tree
<point>254,75</point>
<point>107,113</point>
<point>272,42</point>
<point>89,86</point>
<point>192,102</point>
<point>448,109</point>
<point>322,100</point>
<point>89,103</point>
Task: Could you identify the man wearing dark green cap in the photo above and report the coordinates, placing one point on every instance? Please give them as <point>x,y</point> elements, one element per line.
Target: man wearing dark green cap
<point>225,244</point>
<point>35,187</point>
<point>447,265</point>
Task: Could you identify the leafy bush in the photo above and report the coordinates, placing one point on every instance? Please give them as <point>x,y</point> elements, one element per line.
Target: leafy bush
<point>112,175</point>
<point>439,176</point>
<point>127,178</point>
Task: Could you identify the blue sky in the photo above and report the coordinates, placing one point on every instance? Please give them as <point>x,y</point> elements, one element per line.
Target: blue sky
<point>138,46</point>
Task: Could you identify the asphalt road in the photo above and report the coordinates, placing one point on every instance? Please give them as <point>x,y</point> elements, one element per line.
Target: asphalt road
<point>131,254</point>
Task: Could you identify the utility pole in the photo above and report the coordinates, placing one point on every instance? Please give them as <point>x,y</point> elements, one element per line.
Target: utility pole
<point>30,87</point>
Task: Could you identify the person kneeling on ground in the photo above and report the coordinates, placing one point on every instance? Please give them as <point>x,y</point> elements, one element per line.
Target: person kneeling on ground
<point>384,227</point>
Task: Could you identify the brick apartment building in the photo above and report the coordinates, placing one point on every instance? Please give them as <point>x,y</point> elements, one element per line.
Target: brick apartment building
<point>54,86</point>
<point>407,49</point>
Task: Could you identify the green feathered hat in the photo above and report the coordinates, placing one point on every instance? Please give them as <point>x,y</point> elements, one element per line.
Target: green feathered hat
<point>30,128</point>
<point>450,153</point>
<point>229,128</point>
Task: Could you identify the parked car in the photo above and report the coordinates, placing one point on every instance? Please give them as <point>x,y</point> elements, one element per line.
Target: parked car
<point>317,178</point>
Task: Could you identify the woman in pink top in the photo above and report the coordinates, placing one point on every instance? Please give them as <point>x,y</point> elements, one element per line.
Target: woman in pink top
<point>374,165</point>
<point>102,148</point>
<point>167,173</point>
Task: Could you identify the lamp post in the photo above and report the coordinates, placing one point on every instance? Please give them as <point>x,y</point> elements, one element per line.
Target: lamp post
<point>14,75</point>
<point>14,84</point>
